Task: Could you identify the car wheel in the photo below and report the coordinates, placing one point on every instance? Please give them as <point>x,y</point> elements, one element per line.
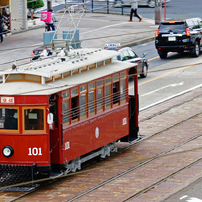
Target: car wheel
<point>162,54</point>
<point>195,51</point>
<point>151,3</point>
<point>144,71</point>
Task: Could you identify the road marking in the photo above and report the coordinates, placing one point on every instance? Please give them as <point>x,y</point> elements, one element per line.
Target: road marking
<point>173,96</point>
<point>153,58</point>
<point>171,85</point>
<point>105,27</point>
<point>190,199</point>
<point>177,70</point>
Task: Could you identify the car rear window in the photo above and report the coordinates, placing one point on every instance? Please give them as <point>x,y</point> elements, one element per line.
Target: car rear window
<point>174,26</point>
<point>37,52</point>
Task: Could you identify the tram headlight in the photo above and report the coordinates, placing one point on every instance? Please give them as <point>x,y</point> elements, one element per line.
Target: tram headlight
<point>8,151</point>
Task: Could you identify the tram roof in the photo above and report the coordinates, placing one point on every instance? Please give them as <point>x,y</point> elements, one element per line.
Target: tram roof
<point>52,66</point>
<point>33,88</point>
<point>27,88</point>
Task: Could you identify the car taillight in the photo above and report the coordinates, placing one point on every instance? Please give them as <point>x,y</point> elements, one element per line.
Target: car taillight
<point>32,53</point>
<point>188,32</point>
<point>157,33</point>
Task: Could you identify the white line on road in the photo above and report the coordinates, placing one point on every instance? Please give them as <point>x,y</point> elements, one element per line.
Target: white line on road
<point>173,96</point>
<point>171,85</point>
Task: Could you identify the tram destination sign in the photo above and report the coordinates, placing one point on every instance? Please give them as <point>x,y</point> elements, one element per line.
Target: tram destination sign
<point>10,100</point>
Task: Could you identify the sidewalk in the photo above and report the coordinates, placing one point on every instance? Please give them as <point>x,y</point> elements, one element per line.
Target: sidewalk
<point>97,29</point>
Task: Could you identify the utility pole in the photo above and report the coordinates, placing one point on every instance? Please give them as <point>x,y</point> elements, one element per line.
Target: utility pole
<point>49,4</point>
<point>158,11</point>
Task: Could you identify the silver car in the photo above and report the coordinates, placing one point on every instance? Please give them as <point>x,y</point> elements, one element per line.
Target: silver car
<point>129,55</point>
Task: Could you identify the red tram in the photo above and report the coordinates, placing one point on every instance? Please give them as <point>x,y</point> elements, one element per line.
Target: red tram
<point>58,112</point>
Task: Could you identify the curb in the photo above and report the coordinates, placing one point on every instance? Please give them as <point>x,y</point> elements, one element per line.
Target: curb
<point>138,42</point>
<point>26,30</point>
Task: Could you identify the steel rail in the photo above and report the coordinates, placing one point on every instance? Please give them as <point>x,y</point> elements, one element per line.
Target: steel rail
<point>162,180</point>
<point>135,167</point>
<point>128,147</point>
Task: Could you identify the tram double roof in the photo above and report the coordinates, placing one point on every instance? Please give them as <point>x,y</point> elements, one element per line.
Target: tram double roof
<point>53,66</point>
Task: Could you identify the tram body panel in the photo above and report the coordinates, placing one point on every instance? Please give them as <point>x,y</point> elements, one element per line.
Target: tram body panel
<point>29,138</point>
<point>28,149</point>
<point>82,137</point>
<point>56,87</point>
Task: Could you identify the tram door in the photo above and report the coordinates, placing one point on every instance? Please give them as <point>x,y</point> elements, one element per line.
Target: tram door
<point>54,131</point>
<point>133,105</point>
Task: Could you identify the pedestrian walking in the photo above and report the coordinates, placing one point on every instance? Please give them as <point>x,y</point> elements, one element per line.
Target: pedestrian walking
<point>134,7</point>
<point>1,28</point>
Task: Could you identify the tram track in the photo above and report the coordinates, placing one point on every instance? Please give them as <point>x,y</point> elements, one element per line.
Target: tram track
<point>162,180</point>
<point>130,147</point>
<point>155,157</point>
<point>142,164</point>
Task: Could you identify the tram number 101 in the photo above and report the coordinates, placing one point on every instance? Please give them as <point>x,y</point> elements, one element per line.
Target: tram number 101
<point>34,151</point>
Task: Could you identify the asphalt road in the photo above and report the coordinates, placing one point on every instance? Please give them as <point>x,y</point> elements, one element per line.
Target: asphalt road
<point>168,77</point>
<point>165,79</point>
<point>175,9</point>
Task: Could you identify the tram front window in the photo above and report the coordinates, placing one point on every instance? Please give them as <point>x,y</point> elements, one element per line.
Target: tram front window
<point>8,119</point>
<point>34,119</point>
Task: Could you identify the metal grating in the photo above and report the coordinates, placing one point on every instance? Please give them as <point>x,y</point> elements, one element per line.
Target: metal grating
<point>14,174</point>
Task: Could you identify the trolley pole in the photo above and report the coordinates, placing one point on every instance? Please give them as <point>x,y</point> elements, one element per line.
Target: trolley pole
<point>49,4</point>
<point>158,11</point>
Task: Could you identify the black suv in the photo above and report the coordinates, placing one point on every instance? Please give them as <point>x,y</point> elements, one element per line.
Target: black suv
<point>179,36</point>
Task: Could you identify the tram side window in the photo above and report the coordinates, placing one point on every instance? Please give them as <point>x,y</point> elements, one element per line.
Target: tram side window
<point>74,108</point>
<point>107,93</point>
<point>115,92</point>
<point>91,99</point>
<point>74,104</point>
<point>83,91</point>
<point>65,111</point>
<point>65,107</point>
<point>8,118</point>
<point>123,91</point>
<point>34,119</point>
<point>99,96</point>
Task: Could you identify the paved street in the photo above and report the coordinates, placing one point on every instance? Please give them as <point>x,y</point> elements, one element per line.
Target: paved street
<point>97,29</point>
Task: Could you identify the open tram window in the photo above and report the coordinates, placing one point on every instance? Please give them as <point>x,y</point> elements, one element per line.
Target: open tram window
<point>8,119</point>
<point>33,119</point>
<point>53,108</point>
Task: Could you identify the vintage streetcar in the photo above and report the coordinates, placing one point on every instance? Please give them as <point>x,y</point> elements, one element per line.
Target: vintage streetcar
<point>60,111</point>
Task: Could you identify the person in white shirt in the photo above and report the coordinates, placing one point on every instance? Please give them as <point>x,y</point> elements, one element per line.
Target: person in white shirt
<point>134,7</point>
